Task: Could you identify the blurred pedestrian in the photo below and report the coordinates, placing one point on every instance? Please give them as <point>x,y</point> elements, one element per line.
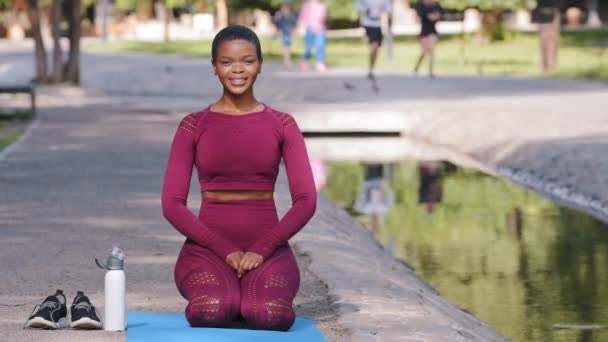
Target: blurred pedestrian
<point>314,17</point>
<point>370,19</point>
<point>430,12</point>
<point>286,20</point>
<point>429,185</point>
<point>547,16</point>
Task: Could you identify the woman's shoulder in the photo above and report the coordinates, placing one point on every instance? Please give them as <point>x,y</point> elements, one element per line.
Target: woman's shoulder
<point>284,119</point>
<point>191,122</point>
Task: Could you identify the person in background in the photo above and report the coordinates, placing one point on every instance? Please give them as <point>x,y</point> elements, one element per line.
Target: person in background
<point>370,19</point>
<point>314,17</point>
<point>430,13</point>
<point>286,20</point>
<point>547,16</point>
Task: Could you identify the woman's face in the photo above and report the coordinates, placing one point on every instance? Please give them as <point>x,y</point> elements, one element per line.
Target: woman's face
<point>237,65</point>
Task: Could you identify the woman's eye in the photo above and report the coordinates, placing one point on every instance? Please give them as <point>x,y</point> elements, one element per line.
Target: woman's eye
<point>226,63</point>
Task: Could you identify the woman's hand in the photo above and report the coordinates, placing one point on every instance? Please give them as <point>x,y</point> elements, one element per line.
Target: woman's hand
<point>234,259</point>
<point>249,261</point>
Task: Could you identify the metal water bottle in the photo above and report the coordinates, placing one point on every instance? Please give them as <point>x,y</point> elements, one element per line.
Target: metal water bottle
<point>115,291</point>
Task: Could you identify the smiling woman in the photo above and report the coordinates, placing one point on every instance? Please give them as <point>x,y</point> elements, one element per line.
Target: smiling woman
<point>236,259</point>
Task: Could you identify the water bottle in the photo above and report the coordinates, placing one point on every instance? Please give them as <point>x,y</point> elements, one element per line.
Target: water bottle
<point>115,291</point>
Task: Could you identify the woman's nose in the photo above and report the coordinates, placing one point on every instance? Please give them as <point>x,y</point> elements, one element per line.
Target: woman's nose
<point>238,67</point>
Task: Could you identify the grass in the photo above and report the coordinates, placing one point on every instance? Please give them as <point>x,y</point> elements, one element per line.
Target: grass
<point>581,54</point>
<point>12,126</point>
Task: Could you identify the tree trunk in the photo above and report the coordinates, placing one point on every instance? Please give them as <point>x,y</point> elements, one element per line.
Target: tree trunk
<point>222,13</point>
<point>20,5</point>
<point>56,30</point>
<point>490,21</point>
<point>143,9</point>
<point>202,6</point>
<point>73,74</point>
<point>166,21</point>
<point>40,51</point>
<point>462,49</point>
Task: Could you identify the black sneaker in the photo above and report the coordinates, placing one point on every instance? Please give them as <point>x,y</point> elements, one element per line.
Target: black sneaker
<point>51,314</point>
<point>84,315</point>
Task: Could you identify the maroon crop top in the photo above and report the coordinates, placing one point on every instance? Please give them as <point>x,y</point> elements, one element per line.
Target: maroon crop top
<point>238,152</point>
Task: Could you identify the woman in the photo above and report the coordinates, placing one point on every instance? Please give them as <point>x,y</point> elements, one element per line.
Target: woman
<point>313,15</point>
<point>430,13</point>
<point>236,260</point>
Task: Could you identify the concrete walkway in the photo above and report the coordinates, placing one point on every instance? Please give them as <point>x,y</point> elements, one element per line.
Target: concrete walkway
<point>498,124</point>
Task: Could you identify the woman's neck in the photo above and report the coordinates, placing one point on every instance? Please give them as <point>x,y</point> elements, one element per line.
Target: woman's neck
<point>237,104</point>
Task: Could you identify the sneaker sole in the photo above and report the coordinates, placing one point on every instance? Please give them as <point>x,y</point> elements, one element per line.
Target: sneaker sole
<point>41,323</point>
<point>86,323</point>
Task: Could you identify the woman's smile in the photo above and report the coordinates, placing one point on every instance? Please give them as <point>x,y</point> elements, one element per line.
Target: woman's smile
<point>238,81</point>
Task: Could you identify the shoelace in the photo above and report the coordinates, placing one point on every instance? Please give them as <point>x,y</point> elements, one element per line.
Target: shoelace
<point>83,305</point>
<point>47,304</point>
<point>87,306</point>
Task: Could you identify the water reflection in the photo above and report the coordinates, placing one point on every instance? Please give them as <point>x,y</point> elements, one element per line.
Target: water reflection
<point>429,185</point>
<point>376,197</point>
<point>515,260</point>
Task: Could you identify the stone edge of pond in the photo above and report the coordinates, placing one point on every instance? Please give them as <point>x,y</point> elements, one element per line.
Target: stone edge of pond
<point>377,297</point>
<point>563,195</point>
<point>531,179</point>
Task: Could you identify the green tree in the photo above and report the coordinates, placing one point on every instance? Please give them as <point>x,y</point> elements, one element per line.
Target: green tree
<point>492,24</point>
<point>5,4</point>
<point>266,5</point>
<point>39,49</point>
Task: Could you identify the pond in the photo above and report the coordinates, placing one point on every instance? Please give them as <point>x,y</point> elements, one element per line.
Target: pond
<point>515,260</point>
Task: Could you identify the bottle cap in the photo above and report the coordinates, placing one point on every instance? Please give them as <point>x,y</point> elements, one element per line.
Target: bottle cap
<point>115,260</point>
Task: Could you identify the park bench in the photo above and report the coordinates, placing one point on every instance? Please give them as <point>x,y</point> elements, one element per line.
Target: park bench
<point>25,88</point>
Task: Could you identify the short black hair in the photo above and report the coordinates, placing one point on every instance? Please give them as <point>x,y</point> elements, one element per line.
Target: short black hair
<point>235,32</point>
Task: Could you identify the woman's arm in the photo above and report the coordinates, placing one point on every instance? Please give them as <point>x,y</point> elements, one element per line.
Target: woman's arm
<point>439,12</point>
<point>301,187</point>
<point>175,192</point>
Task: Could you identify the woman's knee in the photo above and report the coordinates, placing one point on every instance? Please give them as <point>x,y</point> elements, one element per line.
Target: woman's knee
<point>212,311</point>
<point>271,315</point>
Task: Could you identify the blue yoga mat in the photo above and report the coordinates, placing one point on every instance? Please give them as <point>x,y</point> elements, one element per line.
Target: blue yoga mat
<point>167,327</point>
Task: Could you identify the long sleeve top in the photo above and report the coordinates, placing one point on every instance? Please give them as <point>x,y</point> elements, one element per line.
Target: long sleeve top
<point>238,152</point>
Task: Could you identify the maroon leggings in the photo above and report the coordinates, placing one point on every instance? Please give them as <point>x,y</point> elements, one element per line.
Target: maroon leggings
<point>263,296</point>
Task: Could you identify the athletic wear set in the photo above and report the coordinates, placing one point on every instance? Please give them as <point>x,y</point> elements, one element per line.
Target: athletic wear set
<point>238,152</point>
